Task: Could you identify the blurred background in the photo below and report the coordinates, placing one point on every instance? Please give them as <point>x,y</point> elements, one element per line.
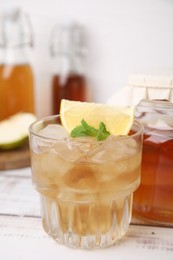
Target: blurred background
<point>122,37</point>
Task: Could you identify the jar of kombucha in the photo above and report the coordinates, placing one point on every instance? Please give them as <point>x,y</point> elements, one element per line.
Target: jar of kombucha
<point>16,77</point>
<point>68,51</point>
<point>153,200</point>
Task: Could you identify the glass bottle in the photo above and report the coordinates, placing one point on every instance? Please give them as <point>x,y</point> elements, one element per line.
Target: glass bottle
<point>16,77</point>
<point>68,79</point>
<point>153,200</point>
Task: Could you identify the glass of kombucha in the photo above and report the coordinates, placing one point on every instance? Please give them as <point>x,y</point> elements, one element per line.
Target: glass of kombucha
<point>153,200</point>
<point>86,186</point>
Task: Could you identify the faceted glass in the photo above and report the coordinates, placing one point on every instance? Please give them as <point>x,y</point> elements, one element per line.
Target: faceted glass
<point>86,187</point>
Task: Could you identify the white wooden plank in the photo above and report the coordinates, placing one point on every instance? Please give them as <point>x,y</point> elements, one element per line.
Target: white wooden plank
<point>24,239</point>
<point>17,196</point>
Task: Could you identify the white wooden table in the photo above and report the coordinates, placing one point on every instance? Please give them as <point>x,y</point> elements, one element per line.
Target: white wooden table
<point>22,236</point>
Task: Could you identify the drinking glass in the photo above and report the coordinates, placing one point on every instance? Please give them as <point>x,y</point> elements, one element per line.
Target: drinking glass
<point>86,186</point>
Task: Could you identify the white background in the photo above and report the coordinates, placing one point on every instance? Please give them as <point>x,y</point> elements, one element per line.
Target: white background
<point>124,37</point>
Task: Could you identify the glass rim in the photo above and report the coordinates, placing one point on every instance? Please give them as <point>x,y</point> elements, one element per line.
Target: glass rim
<point>48,118</point>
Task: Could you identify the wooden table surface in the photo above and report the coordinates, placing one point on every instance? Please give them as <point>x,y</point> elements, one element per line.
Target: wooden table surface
<point>22,236</point>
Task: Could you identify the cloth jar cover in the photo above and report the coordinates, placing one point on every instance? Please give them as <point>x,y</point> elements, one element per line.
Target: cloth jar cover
<point>143,87</point>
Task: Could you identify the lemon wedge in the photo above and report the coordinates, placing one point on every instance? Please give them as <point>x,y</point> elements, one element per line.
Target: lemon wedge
<point>14,130</point>
<point>118,120</point>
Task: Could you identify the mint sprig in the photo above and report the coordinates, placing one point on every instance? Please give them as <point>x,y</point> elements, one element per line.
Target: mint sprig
<point>86,130</point>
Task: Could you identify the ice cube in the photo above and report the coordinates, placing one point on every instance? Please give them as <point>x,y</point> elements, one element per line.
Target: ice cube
<point>68,151</point>
<point>86,143</point>
<point>110,150</point>
<point>131,146</point>
<point>48,169</point>
<point>75,150</point>
<point>81,177</point>
<point>54,131</point>
<point>114,149</point>
<point>114,158</point>
<point>109,171</point>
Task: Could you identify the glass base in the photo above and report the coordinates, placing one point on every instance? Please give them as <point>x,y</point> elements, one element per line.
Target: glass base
<point>86,225</point>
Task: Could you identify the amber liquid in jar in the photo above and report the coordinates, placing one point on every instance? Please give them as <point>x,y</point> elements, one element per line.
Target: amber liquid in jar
<point>16,90</point>
<point>73,88</point>
<point>153,200</point>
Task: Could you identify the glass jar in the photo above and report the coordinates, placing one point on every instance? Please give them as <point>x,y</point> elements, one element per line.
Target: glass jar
<point>153,200</point>
<point>16,77</point>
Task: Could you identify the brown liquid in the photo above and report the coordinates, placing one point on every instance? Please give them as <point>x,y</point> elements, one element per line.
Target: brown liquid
<point>153,200</point>
<point>90,197</point>
<point>58,93</point>
<point>16,90</point>
<point>74,88</point>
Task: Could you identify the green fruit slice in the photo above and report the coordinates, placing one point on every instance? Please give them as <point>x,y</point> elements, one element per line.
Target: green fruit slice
<point>14,130</point>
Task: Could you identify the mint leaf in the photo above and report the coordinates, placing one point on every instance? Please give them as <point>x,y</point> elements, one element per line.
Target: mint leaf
<point>102,132</point>
<point>78,131</point>
<point>86,130</point>
<point>89,130</point>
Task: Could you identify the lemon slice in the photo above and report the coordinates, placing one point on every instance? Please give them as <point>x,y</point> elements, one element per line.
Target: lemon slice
<point>14,130</point>
<point>118,120</point>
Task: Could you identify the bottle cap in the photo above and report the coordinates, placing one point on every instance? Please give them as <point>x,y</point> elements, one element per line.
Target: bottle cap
<point>68,38</point>
<point>15,28</point>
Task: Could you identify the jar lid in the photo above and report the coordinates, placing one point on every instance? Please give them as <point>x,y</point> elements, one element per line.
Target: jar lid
<point>15,28</point>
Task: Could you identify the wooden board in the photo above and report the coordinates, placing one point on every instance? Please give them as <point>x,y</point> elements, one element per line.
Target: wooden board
<point>14,159</point>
